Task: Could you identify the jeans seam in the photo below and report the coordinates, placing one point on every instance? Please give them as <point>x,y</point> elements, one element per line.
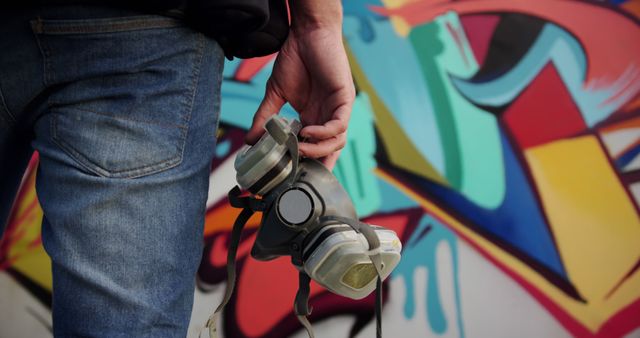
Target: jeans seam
<point>195,79</point>
<point>193,88</point>
<point>44,51</point>
<point>105,25</point>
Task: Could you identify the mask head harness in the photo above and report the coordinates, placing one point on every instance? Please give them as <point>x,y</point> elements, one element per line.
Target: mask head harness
<point>309,216</point>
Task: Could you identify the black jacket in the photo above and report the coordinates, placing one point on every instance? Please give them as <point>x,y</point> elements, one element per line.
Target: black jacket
<point>244,28</point>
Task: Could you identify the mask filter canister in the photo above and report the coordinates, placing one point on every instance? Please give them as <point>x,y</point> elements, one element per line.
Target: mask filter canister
<point>261,167</point>
<point>338,259</point>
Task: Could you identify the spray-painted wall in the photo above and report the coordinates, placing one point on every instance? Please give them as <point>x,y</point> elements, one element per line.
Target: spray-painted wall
<point>500,139</point>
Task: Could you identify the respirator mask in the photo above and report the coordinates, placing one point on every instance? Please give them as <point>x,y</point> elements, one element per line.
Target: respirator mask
<point>306,214</point>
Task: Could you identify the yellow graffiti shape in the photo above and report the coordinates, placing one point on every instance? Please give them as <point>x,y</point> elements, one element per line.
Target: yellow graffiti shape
<point>593,219</point>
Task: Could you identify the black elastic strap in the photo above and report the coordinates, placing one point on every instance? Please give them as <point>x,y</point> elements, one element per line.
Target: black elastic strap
<point>365,229</point>
<point>231,263</point>
<point>301,304</point>
<point>246,202</point>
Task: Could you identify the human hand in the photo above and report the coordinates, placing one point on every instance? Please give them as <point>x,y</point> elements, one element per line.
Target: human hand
<point>312,73</point>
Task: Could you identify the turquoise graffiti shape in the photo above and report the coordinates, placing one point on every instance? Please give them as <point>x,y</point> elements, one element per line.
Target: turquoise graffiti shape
<point>469,136</point>
<point>355,166</point>
<point>411,75</point>
<point>391,66</point>
<point>392,199</point>
<point>420,251</point>
<point>359,9</point>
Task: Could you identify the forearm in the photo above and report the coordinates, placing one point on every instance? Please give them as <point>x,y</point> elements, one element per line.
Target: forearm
<point>314,14</point>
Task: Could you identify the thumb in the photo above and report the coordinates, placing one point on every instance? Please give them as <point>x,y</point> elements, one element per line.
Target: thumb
<point>270,105</point>
<point>330,160</point>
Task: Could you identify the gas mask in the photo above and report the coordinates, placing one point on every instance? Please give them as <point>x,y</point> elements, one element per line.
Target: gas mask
<point>308,216</point>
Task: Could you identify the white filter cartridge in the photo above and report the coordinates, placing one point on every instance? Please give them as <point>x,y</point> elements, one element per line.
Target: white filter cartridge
<point>337,259</point>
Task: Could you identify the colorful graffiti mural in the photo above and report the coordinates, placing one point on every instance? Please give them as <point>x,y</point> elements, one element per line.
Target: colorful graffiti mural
<point>501,141</point>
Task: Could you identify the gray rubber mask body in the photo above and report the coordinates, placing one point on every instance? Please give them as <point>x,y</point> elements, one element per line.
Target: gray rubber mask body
<point>309,216</point>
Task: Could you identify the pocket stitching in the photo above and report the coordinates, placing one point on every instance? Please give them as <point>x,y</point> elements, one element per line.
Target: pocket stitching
<point>128,173</point>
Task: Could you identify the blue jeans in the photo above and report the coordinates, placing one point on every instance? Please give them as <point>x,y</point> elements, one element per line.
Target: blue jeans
<point>123,109</point>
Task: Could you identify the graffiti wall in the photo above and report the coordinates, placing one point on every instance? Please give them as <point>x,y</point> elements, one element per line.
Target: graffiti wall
<point>500,139</point>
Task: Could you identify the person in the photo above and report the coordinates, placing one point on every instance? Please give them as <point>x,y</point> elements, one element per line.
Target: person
<point>122,108</point>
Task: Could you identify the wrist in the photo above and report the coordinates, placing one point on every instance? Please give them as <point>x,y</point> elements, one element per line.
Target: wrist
<point>313,15</point>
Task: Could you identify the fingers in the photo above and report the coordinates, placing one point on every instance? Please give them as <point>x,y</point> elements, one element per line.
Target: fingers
<point>336,125</point>
<point>326,140</point>
<point>270,105</point>
<point>324,131</point>
<point>323,148</point>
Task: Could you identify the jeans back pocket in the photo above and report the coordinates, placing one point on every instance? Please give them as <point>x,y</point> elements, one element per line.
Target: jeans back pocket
<point>122,90</point>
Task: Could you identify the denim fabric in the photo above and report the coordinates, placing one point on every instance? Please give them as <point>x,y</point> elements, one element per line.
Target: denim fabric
<point>123,109</point>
